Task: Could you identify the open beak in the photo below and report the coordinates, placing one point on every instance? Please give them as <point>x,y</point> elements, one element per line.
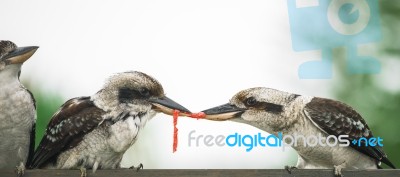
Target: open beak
<point>223,112</point>
<point>20,55</point>
<point>167,106</point>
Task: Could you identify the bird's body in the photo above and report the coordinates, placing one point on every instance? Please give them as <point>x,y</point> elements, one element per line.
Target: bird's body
<point>17,109</point>
<point>276,112</point>
<point>324,156</point>
<point>294,122</point>
<point>105,145</point>
<point>16,124</point>
<point>327,157</point>
<point>94,132</point>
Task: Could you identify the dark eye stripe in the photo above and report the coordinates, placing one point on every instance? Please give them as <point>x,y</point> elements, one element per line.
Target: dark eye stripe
<point>127,94</point>
<point>251,102</point>
<point>274,108</point>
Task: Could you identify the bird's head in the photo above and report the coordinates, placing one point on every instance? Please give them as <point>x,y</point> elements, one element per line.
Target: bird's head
<point>136,92</point>
<point>261,107</point>
<point>12,57</point>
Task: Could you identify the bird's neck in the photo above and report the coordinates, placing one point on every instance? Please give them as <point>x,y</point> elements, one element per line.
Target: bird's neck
<point>295,116</point>
<point>104,101</point>
<point>9,75</point>
<point>116,111</point>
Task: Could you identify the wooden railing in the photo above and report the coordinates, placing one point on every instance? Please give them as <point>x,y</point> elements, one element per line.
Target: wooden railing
<point>205,172</point>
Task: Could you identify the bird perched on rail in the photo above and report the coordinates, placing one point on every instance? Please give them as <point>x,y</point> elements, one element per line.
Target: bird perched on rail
<point>17,108</point>
<point>95,131</point>
<point>275,111</point>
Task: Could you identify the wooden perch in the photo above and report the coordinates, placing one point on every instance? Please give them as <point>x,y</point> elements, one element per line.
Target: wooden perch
<point>211,173</point>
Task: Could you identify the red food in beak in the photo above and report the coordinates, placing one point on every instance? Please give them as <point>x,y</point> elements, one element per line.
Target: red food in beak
<point>175,143</point>
<point>175,114</point>
<point>199,115</point>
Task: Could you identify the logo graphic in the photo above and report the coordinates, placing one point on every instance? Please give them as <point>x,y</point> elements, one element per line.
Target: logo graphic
<point>260,140</point>
<point>327,24</point>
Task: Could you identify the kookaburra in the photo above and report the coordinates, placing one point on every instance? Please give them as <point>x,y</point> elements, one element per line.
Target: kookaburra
<point>95,131</point>
<point>17,108</point>
<point>275,111</point>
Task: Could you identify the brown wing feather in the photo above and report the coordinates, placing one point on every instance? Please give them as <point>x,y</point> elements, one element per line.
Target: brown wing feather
<point>75,118</point>
<point>32,134</point>
<point>337,118</point>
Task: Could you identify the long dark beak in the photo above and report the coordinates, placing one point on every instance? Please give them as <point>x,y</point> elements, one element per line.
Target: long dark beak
<point>223,112</point>
<point>20,55</point>
<point>167,106</point>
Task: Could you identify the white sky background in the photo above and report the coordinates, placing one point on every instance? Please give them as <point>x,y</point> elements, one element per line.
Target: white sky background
<point>202,52</point>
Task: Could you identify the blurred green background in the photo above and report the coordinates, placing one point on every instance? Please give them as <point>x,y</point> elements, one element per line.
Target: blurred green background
<point>377,104</point>
<point>47,104</point>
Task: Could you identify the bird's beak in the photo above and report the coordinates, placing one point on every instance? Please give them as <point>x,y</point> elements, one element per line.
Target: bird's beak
<point>167,106</point>
<point>223,112</point>
<point>20,55</point>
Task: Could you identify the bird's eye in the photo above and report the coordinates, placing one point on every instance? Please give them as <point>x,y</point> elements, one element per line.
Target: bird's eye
<point>144,92</point>
<point>251,101</point>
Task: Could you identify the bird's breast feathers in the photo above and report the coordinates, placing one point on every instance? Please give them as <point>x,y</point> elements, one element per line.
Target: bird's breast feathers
<point>124,132</point>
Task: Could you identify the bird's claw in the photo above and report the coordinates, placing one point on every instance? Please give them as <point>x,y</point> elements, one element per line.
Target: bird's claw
<point>338,170</point>
<point>20,170</point>
<point>83,172</point>
<point>140,166</point>
<point>289,168</point>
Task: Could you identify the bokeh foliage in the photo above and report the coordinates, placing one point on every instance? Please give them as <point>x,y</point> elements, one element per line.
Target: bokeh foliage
<point>47,103</point>
<point>379,106</point>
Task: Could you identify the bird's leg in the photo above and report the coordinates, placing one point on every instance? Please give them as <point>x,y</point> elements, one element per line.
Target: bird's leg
<point>95,166</point>
<point>140,166</point>
<point>20,169</point>
<point>290,168</point>
<point>338,169</point>
<point>83,172</point>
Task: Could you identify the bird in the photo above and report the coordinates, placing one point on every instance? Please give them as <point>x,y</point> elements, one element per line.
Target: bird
<point>276,111</point>
<point>17,109</point>
<point>95,131</point>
